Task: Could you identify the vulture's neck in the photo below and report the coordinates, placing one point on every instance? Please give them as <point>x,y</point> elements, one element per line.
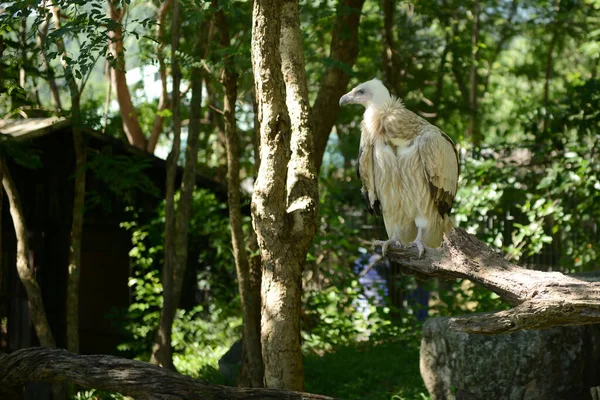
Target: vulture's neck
<point>390,120</point>
<point>380,98</point>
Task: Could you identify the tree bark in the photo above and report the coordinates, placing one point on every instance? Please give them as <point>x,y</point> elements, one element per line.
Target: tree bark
<point>252,357</point>
<point>280,325</point>
<point>302,195</point>
<point>131,125</point>
<point>542,299</point>
<point>188,182</point>
<point>133,378</point>
<point>343,52</point>
<point>74,268</point>
<point>74,271</point>
<point>2,48</point>
<point>440,79</point>
<point>474,132</point>
<point>163,101</point>
<point>1,213</point>
<point>506,33</point>
<point>107,96</point>
<point>391,57</point>
<point>302,180</point>
<point>23,39</point>
<point>284,201</point>
<point>162,353</point>
<point>550,66</point>
<point>34,294</point>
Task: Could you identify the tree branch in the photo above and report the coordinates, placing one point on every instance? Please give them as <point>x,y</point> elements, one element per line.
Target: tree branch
<point>129,377</point>
<point>343,53</point>
<point>163,101</point>
<point>542,299</point>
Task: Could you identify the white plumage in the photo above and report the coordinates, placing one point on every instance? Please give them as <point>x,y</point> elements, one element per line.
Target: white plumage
<point>408,167</point>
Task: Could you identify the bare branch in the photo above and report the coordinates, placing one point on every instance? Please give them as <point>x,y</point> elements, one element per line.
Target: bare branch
<point>542,299</point>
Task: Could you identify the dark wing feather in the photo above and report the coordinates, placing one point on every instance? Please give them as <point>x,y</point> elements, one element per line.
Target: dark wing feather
<point>373,205</point>
<point>440,162</point>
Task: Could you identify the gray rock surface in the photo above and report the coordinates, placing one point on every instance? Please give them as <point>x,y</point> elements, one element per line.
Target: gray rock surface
<point>231,363</point>
<point>551,364</point>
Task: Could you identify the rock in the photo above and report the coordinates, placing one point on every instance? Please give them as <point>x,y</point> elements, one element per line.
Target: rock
<point>231,363</point>
<point>550,364</point>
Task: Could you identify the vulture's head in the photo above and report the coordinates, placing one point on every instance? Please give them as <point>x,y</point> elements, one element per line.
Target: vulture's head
<point>371,93</point>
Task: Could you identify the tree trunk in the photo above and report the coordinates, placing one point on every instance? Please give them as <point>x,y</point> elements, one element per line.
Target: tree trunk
<point>23,38</point>
<point>506,33</point>
<point>474,132</point>
<point>252,357</point>
<point>302,177</point>
<point>34,295</point>
<point>41,41</point>
<point>391,57</point>
<point>107,96</point>
<point>344,50</point>
<point>248,373</point>
<point>280,325</point>
<point>131,125</point>
<point>131,378</point>
<point>74,271</point>
<point>2,48</point>
<point>184,206</point>
<point>283,203</point>
<point>302,182</point>
<point>550,67</point>
<point>163,101</point>
<point>162,353</point>
<point>1,213</point>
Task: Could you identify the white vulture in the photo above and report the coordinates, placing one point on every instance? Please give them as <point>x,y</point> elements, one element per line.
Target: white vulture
<point>408,167</point>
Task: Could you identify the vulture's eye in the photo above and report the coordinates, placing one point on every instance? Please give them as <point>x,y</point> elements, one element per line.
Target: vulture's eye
<point>361,91</point>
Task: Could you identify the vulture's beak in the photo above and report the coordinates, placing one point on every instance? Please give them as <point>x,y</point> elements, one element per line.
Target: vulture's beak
<point>345,99</point>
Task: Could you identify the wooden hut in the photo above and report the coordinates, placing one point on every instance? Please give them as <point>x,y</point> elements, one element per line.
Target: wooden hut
<point>47,198</point>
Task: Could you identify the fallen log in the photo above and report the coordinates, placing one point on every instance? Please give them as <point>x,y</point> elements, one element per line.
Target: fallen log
<point>541,299</point>
<point>140,380</point>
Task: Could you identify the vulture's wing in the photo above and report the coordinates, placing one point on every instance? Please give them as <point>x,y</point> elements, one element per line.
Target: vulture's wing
<point>440,161</point>
<point>364,171</point>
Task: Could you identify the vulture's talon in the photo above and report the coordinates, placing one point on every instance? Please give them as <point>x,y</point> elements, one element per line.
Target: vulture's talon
<point>420,246</point>
<point>385,244</point>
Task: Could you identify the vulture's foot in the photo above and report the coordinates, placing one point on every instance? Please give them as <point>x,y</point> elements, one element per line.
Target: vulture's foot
<point>386,243</point>
<point>420,245</point>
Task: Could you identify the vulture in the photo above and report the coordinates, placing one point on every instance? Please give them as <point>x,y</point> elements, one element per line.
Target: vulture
<point>408,167</point>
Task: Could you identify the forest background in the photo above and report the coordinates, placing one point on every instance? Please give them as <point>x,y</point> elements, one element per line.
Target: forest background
<point>514,83</point>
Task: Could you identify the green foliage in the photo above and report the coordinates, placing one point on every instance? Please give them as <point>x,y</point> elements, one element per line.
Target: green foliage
<point>95,394</point>
<point>341,315</point>
<point>125,176</point>
<point>539,201</point>
<point>200,335</point>
<point>20,152</point>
